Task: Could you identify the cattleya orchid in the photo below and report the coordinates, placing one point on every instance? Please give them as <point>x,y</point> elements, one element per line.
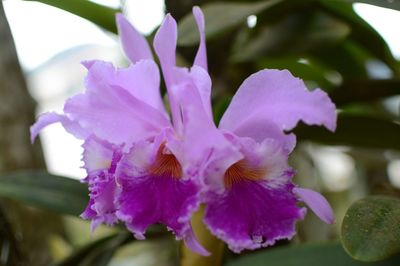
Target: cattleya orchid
<point>145,168</point>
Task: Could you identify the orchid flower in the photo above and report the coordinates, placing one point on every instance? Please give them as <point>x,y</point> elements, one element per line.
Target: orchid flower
<point>252,202</point>
<point>138,170</point>
<point>145,168</point>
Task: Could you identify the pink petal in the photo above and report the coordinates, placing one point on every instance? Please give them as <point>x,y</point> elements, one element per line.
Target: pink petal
<point>101,207</point>
<point>142,80</point>
<point>165,46</point>
<point>112,112</point>
<point>192,243</point>
<point>97,154</point>
<point>134,44</point>
<point>200,138</point>
<point>260,131</point>
<point>50,118</point>
<point>201,56</point>
<point>278,97</point>
<point>147,200</point>
<point>252,215</point>
<point>317,203</point>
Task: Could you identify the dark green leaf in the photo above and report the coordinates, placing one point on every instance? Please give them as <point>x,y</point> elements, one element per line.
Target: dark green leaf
<point>98,14</point>
<point>365,90</point>
<point>101,251</point>
<point>362,32</point>
<point>349,59</point>
<point>294,34</point>
<point>41,189</point>
<point>328,254</point>
<point>370,229</point>
<point>393,4</point>
<point>98,252</point>
<point>355,131</point>
<point>219,17</point>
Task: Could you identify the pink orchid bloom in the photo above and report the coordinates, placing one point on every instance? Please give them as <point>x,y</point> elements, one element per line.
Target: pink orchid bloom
<point>138,171</point>
<point>252,202</point>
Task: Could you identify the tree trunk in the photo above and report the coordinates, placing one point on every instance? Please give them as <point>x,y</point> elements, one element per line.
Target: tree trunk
<point>24,230</point>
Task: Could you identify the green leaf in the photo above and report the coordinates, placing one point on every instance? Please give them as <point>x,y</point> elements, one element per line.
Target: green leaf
<point>362,32</point>
<point>218,18</point>
<point>327,254</point>
<point>41,189</point>
<point>370,229</point>
<point>295,34</point>
<point>101,251</point>
<point>359,131</point>
<point>393,4</point>
<point>350,59</point>
<point>98,14</point>
<point>365,90</point>
<point>98,252</point>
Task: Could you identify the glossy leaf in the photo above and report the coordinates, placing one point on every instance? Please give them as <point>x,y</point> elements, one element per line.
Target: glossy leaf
<point>41,189</point>
<point>350,59</point>
<point>101,251</point>
<point>98,14</point>
<point>358,131</point>
<point>219,17</point>
<point>327,254</point>
<point>370,229</point>
<point>295,34</point>
<point>98,252</point>
<point>365,90</point>
<point>362,31</point>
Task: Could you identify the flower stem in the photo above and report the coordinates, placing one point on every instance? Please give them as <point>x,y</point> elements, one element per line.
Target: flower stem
<point>211,243</point>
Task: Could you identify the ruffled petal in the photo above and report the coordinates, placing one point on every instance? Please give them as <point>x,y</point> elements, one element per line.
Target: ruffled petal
<point>317,203</point>
<point>50,118</point>
<point>149,197</point>
<point>251,215</point>
<point>201,56</point>
<point>141,80</point>
<point>111,112</point>
<point>101,207</point>
<point>200,139</point>
<point>134,44</point>
<point>101,159</point>
<point>146,200</point>
<point>97,154</point>
<point>278,97</point>
<point>261,130</point>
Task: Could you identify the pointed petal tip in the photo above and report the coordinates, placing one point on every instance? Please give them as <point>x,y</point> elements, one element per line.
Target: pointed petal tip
<point>134,44</point>
<point>317,203</point>
<point>192,243</point>
<point>33,132</point>
<point>88,63</point>
<point>197,11</point>
<point>169,21</point>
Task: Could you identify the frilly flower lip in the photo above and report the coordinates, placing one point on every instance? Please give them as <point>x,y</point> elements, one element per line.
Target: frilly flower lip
<point>154,190</point>
<point>121,113</point>
<point>101,159</point>
<point>252,202</point>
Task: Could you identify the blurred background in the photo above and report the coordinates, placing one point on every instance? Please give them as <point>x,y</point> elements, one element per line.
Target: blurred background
<point>348,48</point>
